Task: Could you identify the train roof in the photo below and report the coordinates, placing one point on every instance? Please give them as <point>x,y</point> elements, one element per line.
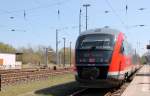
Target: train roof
<point>101,31</point>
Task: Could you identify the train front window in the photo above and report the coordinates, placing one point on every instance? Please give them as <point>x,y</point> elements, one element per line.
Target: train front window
<point>100,41</point>
<point>95,48</point>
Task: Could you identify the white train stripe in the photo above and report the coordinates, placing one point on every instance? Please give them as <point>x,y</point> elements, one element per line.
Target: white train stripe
<point>120,72</point>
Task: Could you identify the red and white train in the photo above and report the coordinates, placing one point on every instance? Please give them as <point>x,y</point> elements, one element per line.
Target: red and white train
<point>104,58</point>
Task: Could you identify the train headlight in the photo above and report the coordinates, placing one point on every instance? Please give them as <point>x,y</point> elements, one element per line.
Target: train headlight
<point>106,60</point>
<point>82,60</point>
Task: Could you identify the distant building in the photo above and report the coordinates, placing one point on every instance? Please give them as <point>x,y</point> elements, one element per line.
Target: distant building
<point>8,61</point>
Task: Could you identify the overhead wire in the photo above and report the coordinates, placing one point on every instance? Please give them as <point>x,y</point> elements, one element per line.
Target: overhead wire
<point>26,11</point>
<point>115,13</point>
<point>4,11</point>
<point>37,2</point>
<point>36,8</point>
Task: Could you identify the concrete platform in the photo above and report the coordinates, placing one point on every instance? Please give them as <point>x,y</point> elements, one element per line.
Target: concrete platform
<point>140,86</point>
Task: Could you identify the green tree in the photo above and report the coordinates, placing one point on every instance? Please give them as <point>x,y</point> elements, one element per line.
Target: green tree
<point>143,59</point>
<point>6,48</point>
<point>36,55</point>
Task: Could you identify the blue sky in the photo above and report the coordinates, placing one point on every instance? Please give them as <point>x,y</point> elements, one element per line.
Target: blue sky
<point>41,20</point>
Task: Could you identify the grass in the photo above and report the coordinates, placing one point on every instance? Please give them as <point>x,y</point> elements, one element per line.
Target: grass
<point>17,90</point>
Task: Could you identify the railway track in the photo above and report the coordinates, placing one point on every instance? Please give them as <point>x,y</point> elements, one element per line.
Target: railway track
<point>90,92</point>
<point>105,92</point>
<point>11,77</point>
<point>101,91</point>
<point>79,92</point>
<point>29,70</point>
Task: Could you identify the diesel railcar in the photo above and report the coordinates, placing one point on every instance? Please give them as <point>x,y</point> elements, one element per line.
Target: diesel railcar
<point>103,58</point>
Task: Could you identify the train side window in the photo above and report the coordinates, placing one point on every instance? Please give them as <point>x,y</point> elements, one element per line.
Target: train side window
<point>126,47</point>
<point>122,49</point>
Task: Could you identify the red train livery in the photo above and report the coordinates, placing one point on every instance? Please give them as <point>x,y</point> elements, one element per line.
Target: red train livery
<point>104,58</point>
